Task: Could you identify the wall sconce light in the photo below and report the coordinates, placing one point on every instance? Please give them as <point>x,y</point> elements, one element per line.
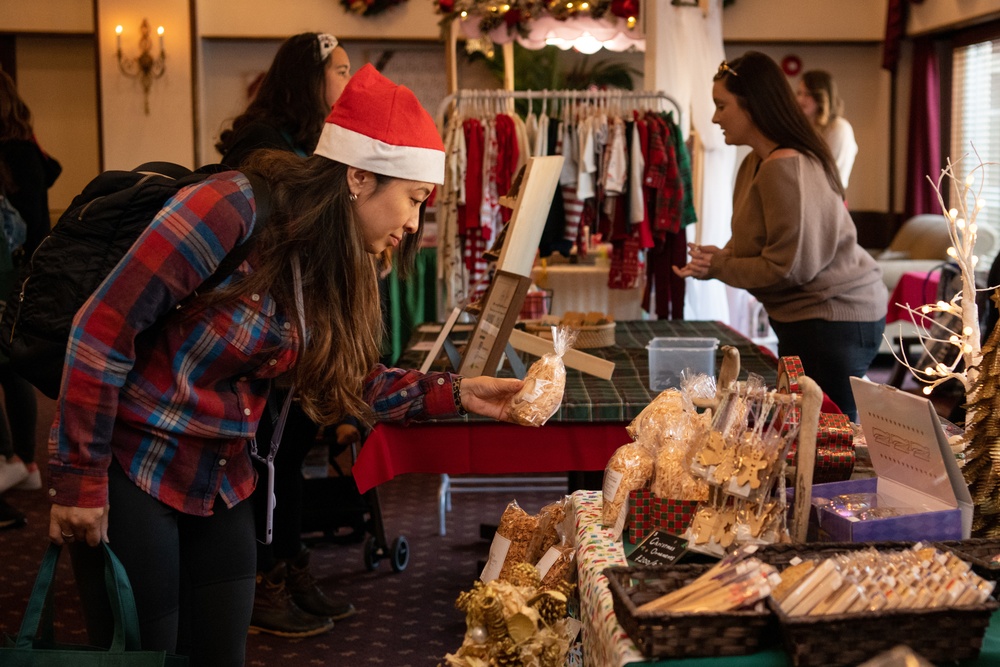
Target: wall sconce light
<point>144,67</point>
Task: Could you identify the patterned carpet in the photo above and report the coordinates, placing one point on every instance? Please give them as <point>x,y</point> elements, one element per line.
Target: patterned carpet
<point>404,619</point>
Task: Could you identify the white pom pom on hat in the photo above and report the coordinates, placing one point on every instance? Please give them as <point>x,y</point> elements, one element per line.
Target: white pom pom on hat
<point>381,127</point>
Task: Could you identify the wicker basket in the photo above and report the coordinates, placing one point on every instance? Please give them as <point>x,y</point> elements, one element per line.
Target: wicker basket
<point>780,555</point>
<point>940,635</point>
<point>666,635</point>
<point>978,552</point>
<point>588,336</point>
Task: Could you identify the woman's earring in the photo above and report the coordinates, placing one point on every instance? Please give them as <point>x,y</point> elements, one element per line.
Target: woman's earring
<point>353,196</point>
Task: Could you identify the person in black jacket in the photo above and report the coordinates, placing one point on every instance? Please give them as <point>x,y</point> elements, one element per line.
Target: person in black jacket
<point>287,113</point>
<point>28,172</point>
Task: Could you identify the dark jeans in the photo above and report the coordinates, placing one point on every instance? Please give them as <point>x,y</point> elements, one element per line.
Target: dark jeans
<point>20,413</point>
<point>831,353</point>
<point>193,576</point>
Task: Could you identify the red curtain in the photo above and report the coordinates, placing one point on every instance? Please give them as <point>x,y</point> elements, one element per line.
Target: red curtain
<point>924,133</point>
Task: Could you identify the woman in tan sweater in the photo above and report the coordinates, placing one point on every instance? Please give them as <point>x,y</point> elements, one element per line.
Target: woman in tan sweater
<point>794,246</point>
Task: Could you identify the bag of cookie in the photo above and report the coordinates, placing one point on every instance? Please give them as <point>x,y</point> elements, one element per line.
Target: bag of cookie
<point>544,383</point>
<point>510,543</point>
<point>630,468</point>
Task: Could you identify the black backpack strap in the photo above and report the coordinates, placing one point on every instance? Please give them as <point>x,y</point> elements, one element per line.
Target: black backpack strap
<point>236,256</point>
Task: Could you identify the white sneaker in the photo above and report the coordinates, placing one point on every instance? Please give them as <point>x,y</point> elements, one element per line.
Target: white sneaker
<point>33,482</point>
<point>12,473</point>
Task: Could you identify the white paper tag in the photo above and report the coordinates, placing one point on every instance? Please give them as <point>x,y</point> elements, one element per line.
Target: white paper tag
<point>612,479</point>
<point>498,554</point>
<point>546,562</point>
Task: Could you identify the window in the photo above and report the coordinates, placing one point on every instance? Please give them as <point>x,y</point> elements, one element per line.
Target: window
<point>975,99</point>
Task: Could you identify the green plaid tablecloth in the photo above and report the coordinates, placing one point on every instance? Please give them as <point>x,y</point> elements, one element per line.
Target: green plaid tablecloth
<point>591,399</point>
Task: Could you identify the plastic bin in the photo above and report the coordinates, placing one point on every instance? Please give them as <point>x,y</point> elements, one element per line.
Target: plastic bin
<point>669,356</point>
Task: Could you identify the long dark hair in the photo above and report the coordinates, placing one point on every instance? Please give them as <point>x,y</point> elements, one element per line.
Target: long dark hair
<point>15,117</point>
<point>312,217</point>
<point>823,89</point>
<point>291,95</point>
<point>761,88</point>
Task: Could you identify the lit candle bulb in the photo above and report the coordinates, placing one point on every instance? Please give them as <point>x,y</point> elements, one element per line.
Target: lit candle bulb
<point>159,31</point>
<point>118,36</point>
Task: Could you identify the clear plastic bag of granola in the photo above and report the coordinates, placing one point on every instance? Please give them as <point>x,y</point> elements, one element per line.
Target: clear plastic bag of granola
<point>510,543</point>
<point>551,528</point>
<point>544,383</point>
<point>630,468</point>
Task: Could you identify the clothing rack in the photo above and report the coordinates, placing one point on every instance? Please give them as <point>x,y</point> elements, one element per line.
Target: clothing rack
<point>504,98</point>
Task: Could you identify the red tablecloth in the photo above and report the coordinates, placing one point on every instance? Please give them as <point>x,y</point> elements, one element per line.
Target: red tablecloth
<point>485,448</point>
<point>914,289</point>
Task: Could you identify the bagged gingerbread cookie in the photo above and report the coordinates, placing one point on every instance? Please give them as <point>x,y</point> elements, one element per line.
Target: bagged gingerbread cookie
<point>544,383</point>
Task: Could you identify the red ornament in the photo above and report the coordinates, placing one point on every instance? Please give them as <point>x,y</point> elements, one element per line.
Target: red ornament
<point>791,65</point>
<point>625,8</point>
<point>512,17</point>
<point>446,6</point>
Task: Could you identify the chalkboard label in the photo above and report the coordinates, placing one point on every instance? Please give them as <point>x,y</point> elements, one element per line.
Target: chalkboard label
<point>660,548</point>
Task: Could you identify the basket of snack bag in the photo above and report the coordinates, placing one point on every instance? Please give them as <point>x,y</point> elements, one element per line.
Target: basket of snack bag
<point>668,427</point>
<point>983,553</point>
<point>593,329</point>
<point>844,608</point>
<point>695,610</point>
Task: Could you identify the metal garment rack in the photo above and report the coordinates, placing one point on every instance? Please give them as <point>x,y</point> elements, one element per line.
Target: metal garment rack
<point>610,99</point>
<point>502,101</point>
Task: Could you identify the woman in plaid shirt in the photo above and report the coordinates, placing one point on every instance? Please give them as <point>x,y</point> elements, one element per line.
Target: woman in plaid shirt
<point>148,450</point>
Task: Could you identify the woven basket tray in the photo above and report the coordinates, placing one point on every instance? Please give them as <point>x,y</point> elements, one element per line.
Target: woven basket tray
<point>588,336</point>
<point>940,635</point>
<point>665,635</point>
<point>779,555</point>
<point>978,552</point>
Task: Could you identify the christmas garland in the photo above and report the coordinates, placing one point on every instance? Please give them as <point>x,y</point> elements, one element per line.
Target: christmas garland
<point>369,7</point>
<point>517,14</point>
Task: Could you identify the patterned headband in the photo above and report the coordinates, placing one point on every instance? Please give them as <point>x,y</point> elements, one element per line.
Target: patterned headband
<point>327,43</point>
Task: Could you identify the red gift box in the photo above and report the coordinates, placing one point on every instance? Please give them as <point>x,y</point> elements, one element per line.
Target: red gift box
<point>834,437</point>
<point>647,514</point>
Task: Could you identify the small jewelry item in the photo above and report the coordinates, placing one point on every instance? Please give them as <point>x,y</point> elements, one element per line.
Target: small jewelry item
<point>353,196</point>
<point>456,392</point>
<point>66,534</point>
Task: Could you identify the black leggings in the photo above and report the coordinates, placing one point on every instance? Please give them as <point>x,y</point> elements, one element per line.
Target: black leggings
<point>193,577</point>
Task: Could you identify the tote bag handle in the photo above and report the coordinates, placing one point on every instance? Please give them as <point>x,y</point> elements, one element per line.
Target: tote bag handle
<point>126,637</point>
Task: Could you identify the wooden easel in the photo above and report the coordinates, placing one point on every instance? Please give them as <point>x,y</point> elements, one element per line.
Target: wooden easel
<point>493,335</point>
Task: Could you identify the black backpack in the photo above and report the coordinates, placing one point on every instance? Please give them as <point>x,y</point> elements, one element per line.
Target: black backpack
<point>85,245</point>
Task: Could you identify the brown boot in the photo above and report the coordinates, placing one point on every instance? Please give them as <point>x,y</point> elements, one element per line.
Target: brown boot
<point>307,594</point>
<point>275,613</point>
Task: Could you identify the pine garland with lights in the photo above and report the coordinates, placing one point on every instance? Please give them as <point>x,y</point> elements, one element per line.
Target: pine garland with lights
<point>518,14</point>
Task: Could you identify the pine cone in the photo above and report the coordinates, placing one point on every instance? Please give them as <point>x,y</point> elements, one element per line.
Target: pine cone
<point>551,606</point>
<point>505,654</point>
<point>524,574</point>
<point>466,598</point>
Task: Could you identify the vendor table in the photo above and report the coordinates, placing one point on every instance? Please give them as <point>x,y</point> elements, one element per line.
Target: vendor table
<point>605,643</point>
<point>582,435</point>
<point>584,288</point>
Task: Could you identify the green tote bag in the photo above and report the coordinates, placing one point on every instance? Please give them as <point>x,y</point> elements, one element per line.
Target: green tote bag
<point>31,649</point>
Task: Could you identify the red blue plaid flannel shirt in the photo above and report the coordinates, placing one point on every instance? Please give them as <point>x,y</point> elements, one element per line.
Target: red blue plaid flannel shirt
<point>175,404</point>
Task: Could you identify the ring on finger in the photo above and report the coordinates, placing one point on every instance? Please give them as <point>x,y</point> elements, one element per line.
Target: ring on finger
<point>66,534</point>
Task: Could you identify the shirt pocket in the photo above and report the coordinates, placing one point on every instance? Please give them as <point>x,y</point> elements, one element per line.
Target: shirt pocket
<point>251,327</point>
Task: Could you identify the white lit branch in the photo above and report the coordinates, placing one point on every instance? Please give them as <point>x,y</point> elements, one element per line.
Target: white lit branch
<point>955,323</point>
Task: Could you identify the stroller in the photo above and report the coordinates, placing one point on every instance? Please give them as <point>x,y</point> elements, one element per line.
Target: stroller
<point>337,512</point>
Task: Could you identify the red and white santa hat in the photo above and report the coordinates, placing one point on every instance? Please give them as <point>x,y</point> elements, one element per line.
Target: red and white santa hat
<point>381,127</point>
